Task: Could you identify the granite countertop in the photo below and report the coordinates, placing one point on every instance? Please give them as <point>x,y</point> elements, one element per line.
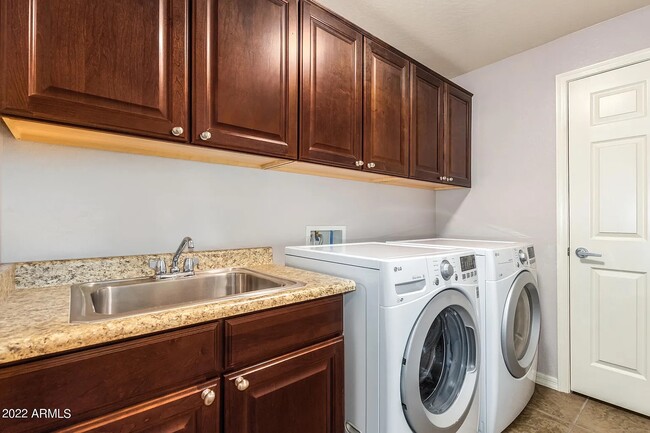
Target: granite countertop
<point>34,322</point>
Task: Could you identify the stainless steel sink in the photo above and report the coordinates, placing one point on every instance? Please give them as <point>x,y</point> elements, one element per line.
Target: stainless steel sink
<point>90,302</point>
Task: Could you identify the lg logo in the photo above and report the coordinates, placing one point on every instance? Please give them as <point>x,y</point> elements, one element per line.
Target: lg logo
<point>397,268</point>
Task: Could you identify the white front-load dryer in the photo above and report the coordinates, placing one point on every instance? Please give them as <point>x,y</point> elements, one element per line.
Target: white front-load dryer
<point>510,325</point>
<point>412,344</point>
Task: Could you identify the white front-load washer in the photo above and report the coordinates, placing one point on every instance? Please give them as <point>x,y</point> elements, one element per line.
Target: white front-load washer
<point>510,324</point>
<point>412,348</point>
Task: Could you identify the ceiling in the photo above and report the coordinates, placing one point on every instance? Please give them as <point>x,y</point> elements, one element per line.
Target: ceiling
<point>457,36</point>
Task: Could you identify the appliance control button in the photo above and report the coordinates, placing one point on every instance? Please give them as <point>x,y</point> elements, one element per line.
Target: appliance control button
<point>522,257</point>
<point>437,281</point>
<point>446,270</point>
<point>456,277</point>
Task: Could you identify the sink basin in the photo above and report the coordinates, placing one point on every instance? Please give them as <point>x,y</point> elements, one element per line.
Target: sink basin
<point>90,302</point>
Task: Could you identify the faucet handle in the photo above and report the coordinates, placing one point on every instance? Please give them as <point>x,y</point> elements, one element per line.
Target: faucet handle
<point>158,265</point>
<point>189,264</point>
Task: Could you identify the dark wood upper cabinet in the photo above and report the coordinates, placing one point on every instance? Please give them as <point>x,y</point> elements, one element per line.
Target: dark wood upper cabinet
<point>331,101</point>
<point>117,65</point>
<point>245,85</point>
<point>458,137</point>
<point>386,110</point>
<point>427,125</point>
<point>293,394</point>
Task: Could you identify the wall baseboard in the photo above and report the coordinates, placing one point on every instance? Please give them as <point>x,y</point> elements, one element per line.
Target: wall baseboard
<point>547,381</point>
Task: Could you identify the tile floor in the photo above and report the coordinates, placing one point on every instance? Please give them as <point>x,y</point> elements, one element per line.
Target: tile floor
<point>550,411</point>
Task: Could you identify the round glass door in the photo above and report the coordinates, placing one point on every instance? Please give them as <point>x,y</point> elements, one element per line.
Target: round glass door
<point>521,325</point>
<point>443,362</point>
<point>440,368</point>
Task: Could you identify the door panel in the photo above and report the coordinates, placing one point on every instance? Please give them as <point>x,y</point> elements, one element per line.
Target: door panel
<point>118,65</point>
<point>458,134</point>
<point>386,110</point>
<point>186,411</point>
<point>616,292</point>
<point>331,89</point>
<point>608,160</point>
<point>245,90</point>
<point>619,177</point>
<point>297,393</point>
<point>427,104</point>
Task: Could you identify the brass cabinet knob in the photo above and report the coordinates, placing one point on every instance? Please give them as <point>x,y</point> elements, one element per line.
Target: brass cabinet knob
<point>208,396</point>
<point>358,163</point>
<point>205,135</point>
<point>177,130</point>
<point>241,383</point>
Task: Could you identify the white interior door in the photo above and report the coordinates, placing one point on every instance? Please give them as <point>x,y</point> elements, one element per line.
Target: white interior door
<point>609,129</point>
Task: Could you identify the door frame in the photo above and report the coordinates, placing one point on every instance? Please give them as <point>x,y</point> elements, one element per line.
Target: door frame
<point>562,82</point>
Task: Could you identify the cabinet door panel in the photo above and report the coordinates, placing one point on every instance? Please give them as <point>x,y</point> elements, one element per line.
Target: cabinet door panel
<point>331,89</point>
<point>119,65</point>
<point>181,412</point>
<point>386,110</point>
<point>427,104</point>
<point>300,392</point>
<point>245,89</point>
<point>458,133</point>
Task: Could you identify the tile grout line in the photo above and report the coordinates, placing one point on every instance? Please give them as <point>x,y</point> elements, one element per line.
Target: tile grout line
<point>575,421</point>
<point>556,418</point>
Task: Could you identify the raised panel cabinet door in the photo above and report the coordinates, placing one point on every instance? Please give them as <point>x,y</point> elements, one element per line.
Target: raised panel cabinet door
<point>301,392</point>
<point>192,410</point>
<point>245,87</point>
<point>427,125</point>
<point>458,136</point>
<point>119,65</point>
<point>386,110</point>
<point>331,101</point>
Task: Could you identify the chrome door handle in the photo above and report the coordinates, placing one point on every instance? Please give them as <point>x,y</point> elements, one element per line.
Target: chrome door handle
<point>583,253</point>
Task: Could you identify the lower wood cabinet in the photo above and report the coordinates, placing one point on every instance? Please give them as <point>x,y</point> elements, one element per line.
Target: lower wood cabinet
<point>192,410</point>
<point>284,373</point>
<point>298,393</point>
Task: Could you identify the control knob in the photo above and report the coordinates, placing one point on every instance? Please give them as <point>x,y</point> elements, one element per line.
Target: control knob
<point>446,270</point>
<point>522,257</point>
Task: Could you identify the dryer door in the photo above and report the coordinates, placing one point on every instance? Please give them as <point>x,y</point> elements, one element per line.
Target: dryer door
<point>520,327</point>
<point>440,365</point>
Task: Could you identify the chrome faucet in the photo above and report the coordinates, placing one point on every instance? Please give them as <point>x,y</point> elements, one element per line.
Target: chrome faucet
<point>187,241</point>
<point>160,267</point>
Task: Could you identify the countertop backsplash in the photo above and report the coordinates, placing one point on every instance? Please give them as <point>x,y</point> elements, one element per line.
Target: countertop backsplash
<point>6,281</point>
<point>30,275</point>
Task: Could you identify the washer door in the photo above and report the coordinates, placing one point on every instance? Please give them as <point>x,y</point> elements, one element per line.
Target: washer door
<point>440,364</point>
<point>520,327</point>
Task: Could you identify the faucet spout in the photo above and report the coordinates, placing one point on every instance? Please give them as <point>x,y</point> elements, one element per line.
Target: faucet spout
<point>187,242</point>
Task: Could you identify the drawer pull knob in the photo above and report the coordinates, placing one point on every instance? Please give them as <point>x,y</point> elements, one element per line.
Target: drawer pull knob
<point>205,135</point>
<point>241,383</point>
<point>208,396</point>
<point>177,130</point>
<point>359,163</point>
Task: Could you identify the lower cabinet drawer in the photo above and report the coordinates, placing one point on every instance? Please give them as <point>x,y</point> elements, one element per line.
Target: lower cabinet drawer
<point>95,382</point>
<point>259,336</point>
<point>192,410</point>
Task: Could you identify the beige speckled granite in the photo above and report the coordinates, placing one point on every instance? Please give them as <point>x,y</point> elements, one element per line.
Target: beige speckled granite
<point>6,281</point>
<point>35,322</point>
<point>63,272</point>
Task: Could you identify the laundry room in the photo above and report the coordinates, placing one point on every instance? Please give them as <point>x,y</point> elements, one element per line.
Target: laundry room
<point>324,216</point>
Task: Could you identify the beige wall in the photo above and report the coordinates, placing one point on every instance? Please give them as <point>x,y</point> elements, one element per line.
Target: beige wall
<point>513,194</point>
<point>60,202</point>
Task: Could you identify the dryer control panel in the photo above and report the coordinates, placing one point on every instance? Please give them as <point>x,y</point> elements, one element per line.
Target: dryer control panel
<point>508,261</point>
